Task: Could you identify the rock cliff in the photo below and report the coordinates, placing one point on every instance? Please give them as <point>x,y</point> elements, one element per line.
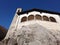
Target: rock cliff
<point>3,32</point>
<point>34,34</point>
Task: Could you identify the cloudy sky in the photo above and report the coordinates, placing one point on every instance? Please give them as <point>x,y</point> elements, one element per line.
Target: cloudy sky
<point>8,8</point>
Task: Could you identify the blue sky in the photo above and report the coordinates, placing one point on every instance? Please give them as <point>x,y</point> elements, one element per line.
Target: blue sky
<point>8,8</point>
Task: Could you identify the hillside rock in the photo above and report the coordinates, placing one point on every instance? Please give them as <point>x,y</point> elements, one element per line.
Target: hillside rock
<point>3,32</point>
<point>33,35</point>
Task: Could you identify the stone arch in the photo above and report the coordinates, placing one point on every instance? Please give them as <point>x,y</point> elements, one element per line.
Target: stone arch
<point>31,17</point>
<point>52,19</point>
<point>37,16</point>
<point>24,19</point>
<point>45,18</point>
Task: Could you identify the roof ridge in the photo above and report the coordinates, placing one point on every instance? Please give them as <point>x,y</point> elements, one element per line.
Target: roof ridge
<point>40,10</point>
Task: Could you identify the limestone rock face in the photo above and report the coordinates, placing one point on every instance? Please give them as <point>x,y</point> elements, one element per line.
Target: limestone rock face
<point>34,35</point>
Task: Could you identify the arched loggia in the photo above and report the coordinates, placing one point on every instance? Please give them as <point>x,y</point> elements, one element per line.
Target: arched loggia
<point>52,19</point>
<point>45,18</point>
<point>24,19</point>
<point>31,17</point>
<point>38,17</point>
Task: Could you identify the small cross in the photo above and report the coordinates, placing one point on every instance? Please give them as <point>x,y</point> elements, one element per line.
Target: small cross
<point>18,12</point>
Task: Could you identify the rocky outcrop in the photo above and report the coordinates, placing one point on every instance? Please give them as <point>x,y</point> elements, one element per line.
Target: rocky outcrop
<point>33,35</point>
<point>3,32</point>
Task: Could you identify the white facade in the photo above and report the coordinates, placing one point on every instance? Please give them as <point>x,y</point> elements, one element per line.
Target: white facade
<point>17,24</point>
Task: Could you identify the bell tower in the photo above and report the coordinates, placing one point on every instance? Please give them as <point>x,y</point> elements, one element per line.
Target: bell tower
<point>14,23</point>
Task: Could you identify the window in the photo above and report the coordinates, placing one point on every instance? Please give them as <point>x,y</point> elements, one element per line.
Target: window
<point>45,18</point>
<point>24,19</point>
<point>38,17</point>
<point>52,19</point>
<point>31,17</point>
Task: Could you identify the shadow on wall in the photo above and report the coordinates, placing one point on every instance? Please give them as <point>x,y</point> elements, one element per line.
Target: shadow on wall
<point>3,32</point>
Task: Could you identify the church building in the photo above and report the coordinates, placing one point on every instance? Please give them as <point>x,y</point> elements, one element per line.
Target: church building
<point>48,19</point>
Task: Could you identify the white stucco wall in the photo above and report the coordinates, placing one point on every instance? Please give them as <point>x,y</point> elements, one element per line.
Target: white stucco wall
<point>17,24</point>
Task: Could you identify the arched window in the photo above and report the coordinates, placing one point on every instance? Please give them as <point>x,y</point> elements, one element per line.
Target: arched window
<point>52,19</point>
<point>31,17</point>
<point>38,17</point>
<point>24,19</point>
<point>45,18</point>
